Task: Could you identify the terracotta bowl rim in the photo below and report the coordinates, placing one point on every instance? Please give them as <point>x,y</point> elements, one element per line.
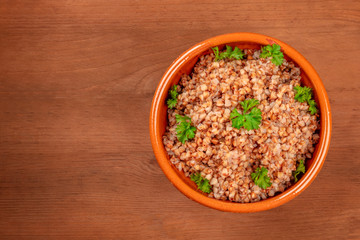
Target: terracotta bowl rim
<point>288,194</point>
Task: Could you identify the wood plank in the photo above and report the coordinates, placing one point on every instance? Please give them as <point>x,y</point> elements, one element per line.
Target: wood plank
<point>76,84</point>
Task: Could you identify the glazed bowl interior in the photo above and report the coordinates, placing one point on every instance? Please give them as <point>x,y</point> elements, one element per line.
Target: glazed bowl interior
<point>184,65</point>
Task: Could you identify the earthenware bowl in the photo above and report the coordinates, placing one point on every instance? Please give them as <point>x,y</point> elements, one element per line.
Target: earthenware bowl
<point>184,65</point>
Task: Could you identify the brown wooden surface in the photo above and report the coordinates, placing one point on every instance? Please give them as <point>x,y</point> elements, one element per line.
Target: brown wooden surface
<point>76,84</point>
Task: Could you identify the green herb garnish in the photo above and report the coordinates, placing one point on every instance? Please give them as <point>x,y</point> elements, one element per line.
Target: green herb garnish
<point>229,53</point>
<point>172,100</point>
<point>304,94</point>
<point>261,178</point>
<point>202,183</point>
<point>250,120</point>
<point>273,51</point>
<point>184,130</point>
<point>300,169</point>
<point>312,107</point>
<point>216,52</point>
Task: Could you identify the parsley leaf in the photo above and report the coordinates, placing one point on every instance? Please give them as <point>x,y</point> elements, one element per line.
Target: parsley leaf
<point>216,53</point>
<point>300,169</point>
<point>304,94</point>
<point>237,54</point>
<point>172,101</point>
<point>248,104</point>
<point>237,119</point>
<point>202,183</point>
<point>184,130</point>
<point>251,120</point>
<point>229,53</point>
<point>261,178</point>
<point>273,51</point>
<point>266,51</point>
<point>312,107</point>
<point>173,91</point>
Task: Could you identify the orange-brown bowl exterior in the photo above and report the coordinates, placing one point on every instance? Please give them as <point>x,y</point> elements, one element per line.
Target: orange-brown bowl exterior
<point>185,64</point>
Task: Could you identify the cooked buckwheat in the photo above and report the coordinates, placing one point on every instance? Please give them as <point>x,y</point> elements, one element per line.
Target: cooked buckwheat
<point>227,156</point>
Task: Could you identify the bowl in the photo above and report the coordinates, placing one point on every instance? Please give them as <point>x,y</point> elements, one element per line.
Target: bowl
<point>184,65</point>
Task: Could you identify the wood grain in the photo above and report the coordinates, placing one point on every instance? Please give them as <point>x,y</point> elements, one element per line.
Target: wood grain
<point>76,83</point>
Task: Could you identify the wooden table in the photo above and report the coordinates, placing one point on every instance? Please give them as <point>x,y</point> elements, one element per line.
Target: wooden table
<point>76,83</point>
